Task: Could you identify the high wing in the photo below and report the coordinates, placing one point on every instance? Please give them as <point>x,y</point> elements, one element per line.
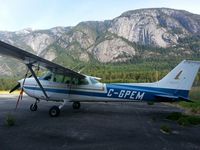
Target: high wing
<point>31,59</point>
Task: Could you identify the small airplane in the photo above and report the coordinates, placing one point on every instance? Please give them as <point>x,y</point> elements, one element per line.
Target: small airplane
<point>62,84</point>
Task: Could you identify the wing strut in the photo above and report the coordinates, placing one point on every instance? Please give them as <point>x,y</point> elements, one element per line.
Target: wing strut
<point>38,82</point>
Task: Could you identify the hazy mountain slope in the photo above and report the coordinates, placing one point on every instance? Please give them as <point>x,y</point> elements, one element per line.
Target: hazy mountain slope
<point>143,33</point>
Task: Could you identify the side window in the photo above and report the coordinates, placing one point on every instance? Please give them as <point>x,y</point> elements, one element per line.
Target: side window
<point>58,78</point>
<point>83,81</point>
<point>48,77</point>
<point>80,81</point>
<point>67,80</point>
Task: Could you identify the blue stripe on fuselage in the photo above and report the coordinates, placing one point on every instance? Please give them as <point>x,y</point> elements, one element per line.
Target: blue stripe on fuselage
<point>175,92</point>
<point>117,91</point>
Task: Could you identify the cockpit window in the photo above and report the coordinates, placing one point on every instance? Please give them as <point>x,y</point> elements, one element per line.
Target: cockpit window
<point>55,77</point>
<point>47,76</point>
<point>65,79</point>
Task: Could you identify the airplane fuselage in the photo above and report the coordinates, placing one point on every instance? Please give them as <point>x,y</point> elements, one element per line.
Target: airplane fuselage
<point>64,84</point>
<point>98,92</point>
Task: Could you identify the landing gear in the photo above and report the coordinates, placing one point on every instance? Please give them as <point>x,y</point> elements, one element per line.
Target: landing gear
<point>76,105</point>
<point>54,111</point>
<point>34,106</point>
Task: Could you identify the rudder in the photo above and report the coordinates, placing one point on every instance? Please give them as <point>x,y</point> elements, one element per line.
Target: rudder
<point>181,77</point>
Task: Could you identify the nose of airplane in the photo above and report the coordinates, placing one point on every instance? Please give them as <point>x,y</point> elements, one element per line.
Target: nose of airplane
<point>20,82</point>
<point>18,86</point>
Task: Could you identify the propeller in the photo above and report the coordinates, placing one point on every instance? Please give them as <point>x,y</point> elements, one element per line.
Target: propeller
<point>22,85</point>
<point>22,90</point>
<point>17,86</point>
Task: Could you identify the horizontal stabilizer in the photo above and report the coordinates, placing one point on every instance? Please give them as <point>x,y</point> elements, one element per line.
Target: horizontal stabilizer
<point>170,98</point>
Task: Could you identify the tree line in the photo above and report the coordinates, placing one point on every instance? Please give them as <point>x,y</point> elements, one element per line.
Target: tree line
<point>147,71</point>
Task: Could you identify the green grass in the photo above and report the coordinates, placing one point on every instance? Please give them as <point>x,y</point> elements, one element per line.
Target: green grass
<point>7,92</point>
<point>150,103</point>
<point>193,107</point>
<point>184,120</point>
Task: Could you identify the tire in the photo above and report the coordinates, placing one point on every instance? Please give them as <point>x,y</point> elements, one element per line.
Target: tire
<point>33,107</point>
<point>54,111</point>
<point>76,105</point>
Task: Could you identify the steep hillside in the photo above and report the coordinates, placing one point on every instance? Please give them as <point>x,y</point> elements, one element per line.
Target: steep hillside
<point>137,34</point>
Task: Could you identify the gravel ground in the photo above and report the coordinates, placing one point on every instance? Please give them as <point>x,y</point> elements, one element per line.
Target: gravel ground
<point>95,126</point>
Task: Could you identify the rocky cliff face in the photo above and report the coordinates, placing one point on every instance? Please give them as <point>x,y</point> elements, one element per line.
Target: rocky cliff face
<point>158,27</point>
<point>112,40</point>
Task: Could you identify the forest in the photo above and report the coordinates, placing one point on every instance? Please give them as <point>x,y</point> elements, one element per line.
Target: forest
<point>140,68</point>
<point>130,72</point>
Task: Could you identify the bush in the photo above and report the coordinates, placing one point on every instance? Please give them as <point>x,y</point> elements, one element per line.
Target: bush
<point>10,120</point>
<point>165,129</point>
<point>150,103</point>
<point>184,120</point>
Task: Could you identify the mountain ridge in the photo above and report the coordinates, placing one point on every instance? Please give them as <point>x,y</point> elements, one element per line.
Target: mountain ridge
<point>141,33</point>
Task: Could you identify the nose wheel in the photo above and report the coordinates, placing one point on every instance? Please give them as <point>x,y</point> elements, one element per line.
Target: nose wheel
<point>34,106</point>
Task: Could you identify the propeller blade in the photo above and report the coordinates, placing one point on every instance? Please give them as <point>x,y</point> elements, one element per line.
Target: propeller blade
<point>18,85</point>
<point>19,98</point>
<point>22,90</point>
<point>15,88</point>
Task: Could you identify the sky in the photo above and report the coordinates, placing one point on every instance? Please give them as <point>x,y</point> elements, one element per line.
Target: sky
<point>44,14</point>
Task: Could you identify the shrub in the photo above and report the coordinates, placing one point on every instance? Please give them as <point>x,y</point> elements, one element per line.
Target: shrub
<point>10,120</point>
<point>165,129</point>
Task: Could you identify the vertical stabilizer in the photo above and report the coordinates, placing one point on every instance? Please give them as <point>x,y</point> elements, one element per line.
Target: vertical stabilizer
<point>181,77</point>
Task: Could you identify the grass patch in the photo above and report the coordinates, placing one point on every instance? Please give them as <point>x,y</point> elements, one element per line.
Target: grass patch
<point>150,103</point>
<point>195,97</point>
<point>165,129</point>
<point>10,120</point>
<point>192,107</point>
<point>184,120</point>
<point>174,116</point>
<point>4,92</point>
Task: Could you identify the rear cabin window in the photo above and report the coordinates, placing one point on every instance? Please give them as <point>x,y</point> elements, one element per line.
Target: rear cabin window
<point>83,81</point>
<point>93,81</point>
<point>76,81</point>
<point>58,78</point>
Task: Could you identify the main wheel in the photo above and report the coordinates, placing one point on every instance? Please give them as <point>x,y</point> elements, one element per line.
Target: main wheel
<point>33,107</point>
<point>54,111</point>
<point>76,105</point>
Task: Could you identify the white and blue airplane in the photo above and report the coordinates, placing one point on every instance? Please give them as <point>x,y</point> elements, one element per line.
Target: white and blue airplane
<point>63,85</point>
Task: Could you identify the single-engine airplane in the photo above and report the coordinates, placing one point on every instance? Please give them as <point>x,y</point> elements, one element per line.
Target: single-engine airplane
<point>62,84</point>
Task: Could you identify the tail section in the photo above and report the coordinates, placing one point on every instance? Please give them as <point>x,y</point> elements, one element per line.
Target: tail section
<point>181,77</point>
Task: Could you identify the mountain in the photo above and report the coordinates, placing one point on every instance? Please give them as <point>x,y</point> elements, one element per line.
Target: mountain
<point>142,33</point>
